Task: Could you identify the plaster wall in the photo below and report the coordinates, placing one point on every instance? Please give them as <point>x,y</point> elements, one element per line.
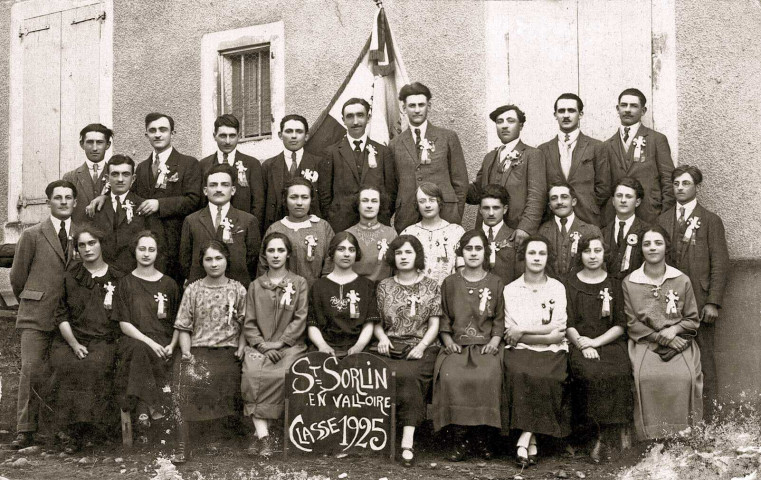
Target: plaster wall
<point>5,50</point>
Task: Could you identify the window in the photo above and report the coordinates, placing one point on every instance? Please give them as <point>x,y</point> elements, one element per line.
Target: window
<point>244,89</point>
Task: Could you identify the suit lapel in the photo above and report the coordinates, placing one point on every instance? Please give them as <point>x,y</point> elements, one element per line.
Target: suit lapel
<point>52,237</point>
<point>519,147</point>
<point>618,150</point>
<point>578,154</point>
<point>85,180</point>
<point>207,222</point>
<point>347,155</point>
<point>489,162</point>
<point>409,143</point>
<point>108,211</point>
<point>148,174</point>
<point>278,171</point>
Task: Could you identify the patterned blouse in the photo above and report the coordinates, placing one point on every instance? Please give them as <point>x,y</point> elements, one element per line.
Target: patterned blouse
<point>439,246</point>
<point>213,314</point>
<point>405,309</point>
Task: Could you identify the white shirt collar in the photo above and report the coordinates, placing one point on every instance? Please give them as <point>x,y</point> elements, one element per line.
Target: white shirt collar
<point>213,209</point>
<point>230,157</point>
<point>507,148</point>
<point>299,155</point>
<point>573,136</point>
<point>362,140</point>
<point>296,226</point>
<point>57,224</point>
<point>423,128</point>
<point>101,166</point>
<point>688,208</point>
<point>568,224</point>
<point>633,129</point>
<point>163,156</point>
<point>638,275</point>
<point>495,228</point>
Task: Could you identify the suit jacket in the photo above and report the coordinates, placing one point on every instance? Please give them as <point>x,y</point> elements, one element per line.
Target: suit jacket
<point>244,247</point>
<point>37,275</point>
<point>589,175</point>
<point>506,264</point>
<point>341,180</point>
<point>86,190</point>
<point>525,181</point>
<point>565,260</point>
<point>447,170</point>
<point>653,172</point>
<point>614,253</point>
<point>249,198</point>
<point>707,261</point>
<point>116,245</point>
<point>179,199</point>
<point>273,172</point>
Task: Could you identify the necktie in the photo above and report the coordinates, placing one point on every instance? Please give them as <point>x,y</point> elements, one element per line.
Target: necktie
<point>681,219</point>
<point>358,154</point>
<point>417,138</point>
<point>119,211</point>
<point>155,166</point>
<point>225,157</point>
<point>64,239</point>
<point>491,235</point>
<point>567,138</point>
<point>620,236</point>
<point>294,168</point>
<point>563,230</point>
<point>95,174</point>
<point>357,144</point>
<point>218,218</point>
<point>626,134</point>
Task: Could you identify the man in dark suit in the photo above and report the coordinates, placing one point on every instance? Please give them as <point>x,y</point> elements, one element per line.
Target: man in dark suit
<point>426,153</point>
<point>517,167</point>
<point>90,178</point>
<point>565,229</point>
<point>578,159</point>
<point>354,161</point>
<point>249,184</point>
<point>293,162</point>
<point>641,153</point>
<point>699,249</point>
<point>493,208</point>
<point>43,253</point>
<point>219,220</point>
<point>170,183</point>
<point>623,234</point>
<point>118,218</point>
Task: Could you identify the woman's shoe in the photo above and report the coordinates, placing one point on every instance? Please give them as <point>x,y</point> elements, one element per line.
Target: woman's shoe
<point>596,453</point>
<point>267,448</point>
<point>253,447</point>
<point>532,452</point>
<point>408,457</point>
<point>482,447</point>
<point>522,460</point>
<point>459,452</point>
<point>179,455</point>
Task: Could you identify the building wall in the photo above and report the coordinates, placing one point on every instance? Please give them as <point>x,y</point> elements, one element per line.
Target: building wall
<point>5,50</point>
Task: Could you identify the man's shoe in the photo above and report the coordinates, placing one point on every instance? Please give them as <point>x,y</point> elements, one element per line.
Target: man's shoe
<point>266,446</point>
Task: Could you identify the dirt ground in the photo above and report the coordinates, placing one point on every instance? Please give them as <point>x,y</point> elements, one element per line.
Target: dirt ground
<point>219,453</point>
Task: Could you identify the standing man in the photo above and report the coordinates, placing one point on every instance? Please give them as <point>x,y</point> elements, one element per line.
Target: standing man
<point>292,162</point>
<point>171,184</point>
<point>564,229</point>
<point>517,167</point>
<point>118,218</point>
<point>641,153</point>
<point>352,162</point>
<point>43,253</point>
<point>699,249</point>
<point>578,159</point>
<point>623,234</point>
<point>426,153</point>
<point>248,181</point>
<point>90,177</point>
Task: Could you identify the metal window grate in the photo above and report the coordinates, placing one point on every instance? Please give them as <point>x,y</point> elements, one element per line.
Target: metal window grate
<point>244,89</point>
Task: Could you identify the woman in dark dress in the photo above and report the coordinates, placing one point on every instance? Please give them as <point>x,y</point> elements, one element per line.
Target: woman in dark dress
<point>83,356</point>
<point>342,305</point>
<point>468,371</point>
<point>410,306</point>
<point>601,375</point>
<point>145,306</point>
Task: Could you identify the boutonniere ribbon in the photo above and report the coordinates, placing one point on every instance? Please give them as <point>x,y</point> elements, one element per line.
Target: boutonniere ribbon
<point>242,180</point>
<point>161,299</point>
<point>413,301</point>
<point>382,248</point>
<point>108,300</point>
<point>129,207</point>
<point>606,299</point>
<point>443,245</point>
<point>547,309</point>
<point>671,304</point>
<point>485,295</point>
<point>162,178</point>
<point>693,223</point>
<point>427,147</point>
<point>575,237</point>
<point>288,292</point>
<point>353,297</point>
<point>311,175</point>
<point>639,148</point>
<point>631,242</point>
<point>230,309</point>
<point>227,227</point>
<point>311,243</point>
<point>106,188</point>
<point>372,155</point>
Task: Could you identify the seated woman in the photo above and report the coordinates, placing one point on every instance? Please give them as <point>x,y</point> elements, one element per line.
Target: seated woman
<point>410,306</point>
<point>210,320</point>
<point>439,237</point>
<point>83,357</point>
<point>145,304</point>
<point>374,237</point>
<point>342,305</point>
<point>662,321</point>
<point>274,330</point>
<point>309,234</point>
<point>601,386</point>
<point>535,400</point>
<point>468,371</point>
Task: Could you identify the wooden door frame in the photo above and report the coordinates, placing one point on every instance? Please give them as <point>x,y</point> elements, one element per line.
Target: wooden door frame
<point>20,12</point>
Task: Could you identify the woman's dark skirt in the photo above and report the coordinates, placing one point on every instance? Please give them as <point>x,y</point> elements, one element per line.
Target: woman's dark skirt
<point>83,388</point>
<point>466,389</point>
<point>535,397</point>
<point>602,390</point>
<point>141,375</point>
<point>413,386</point>
<point>208,386</point>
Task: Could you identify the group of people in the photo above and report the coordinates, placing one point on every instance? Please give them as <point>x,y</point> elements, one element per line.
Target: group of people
<point>150,284</point>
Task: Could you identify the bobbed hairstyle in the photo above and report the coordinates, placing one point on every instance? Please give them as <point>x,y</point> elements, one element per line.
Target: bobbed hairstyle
<point>381,196</point>
<point>60,183</point>
<point>470,235</point>
<point>636,92</point>
<point>94,231</point>
<point>695,173</point>
<point>632,183</point>
<point>398,243</point>
<point>227,120</point>
<point>153,116</point>
<point>584,243</point>
<point>214,245</point>
<point>432,190</point>
<point>570,96</point>
<point>120,159</point>
<point>292,183</point>
<point>98,128</point>
<point>277,236</point>
<point>147,234</point>
<point>414,88</point>
<point>657,229</point>
<point>537,238</point>
<point>340,237</point>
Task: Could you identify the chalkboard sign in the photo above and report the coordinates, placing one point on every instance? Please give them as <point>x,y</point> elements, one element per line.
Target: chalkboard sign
<point>340,405</point>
